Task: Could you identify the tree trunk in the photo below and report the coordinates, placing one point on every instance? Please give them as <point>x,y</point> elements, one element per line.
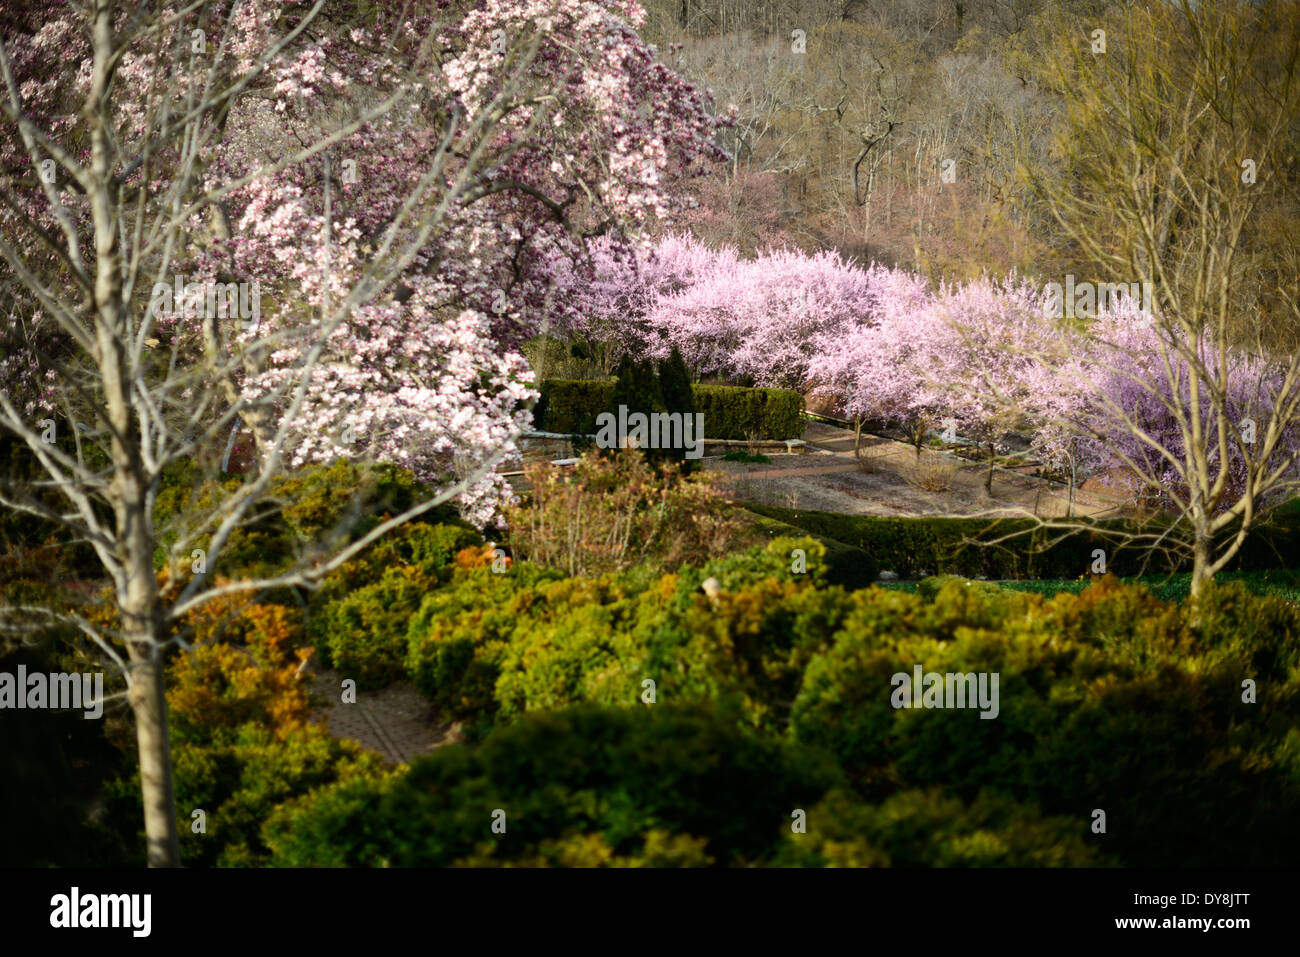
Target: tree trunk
<point>144,630</point>
<point>1074,482</point>
<point>129,491</point>
<point>988,478</point>
<point>1200,565</point>
<point>157,792</point>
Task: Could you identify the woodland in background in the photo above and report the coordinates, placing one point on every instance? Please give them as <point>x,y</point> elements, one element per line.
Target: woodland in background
<point>844,145</point>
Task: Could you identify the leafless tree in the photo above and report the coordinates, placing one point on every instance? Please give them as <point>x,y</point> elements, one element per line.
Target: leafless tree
<point>1176,157</point>
<point>142,411</point>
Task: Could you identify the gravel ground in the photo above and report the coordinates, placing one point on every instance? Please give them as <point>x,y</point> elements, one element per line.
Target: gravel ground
<point>889,480</point>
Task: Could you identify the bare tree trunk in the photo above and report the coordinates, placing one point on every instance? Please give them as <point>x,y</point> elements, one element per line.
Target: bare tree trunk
<point>144,630</point>
<point>1200,564</point>
<point>1074,483</point>
<point>145,633</point>
<point>149,704</point>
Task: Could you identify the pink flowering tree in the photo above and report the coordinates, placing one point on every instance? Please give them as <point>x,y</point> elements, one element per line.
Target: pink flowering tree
<point>611,293</point>
<point>876,365</point>
<point>252,216</point>
<point>984,354</point>
<point>762,319</point>
<point>1207,437</point>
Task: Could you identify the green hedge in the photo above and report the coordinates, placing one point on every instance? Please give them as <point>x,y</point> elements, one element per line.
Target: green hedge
<point>730,412</point>
<point>1013,548</point>
<point>845,565</point>
<point>572,405</point>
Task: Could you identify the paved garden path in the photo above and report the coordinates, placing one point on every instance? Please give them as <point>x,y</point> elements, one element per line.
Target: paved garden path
<point>808,470</point>
<point>395,722</point>
<point>824,475</point>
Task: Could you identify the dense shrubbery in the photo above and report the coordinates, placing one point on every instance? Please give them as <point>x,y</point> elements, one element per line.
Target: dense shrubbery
<point>241,740</point>
<point>929,828</point>
<point>590,786</point>
<point>616,510</point>
<point>489,645</point>
<point>669,786</point>
<point>730,412</point>
<point>314,509</point>
<point>678,714</point>
<point>416,554</point>
<point>359,614</point>
<point>237,700</point>
<point>1110,699</point>
<point>457,637</point>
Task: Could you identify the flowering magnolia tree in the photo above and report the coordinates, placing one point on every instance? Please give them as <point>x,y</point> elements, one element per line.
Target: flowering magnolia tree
<point>248,215</point>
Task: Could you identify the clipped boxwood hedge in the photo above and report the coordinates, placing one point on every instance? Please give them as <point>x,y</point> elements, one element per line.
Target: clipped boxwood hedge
<point>845,565</point>
<point>733,412</point>
<point>730,412</point>
<point>572,405</point>
<point>915,547</point>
